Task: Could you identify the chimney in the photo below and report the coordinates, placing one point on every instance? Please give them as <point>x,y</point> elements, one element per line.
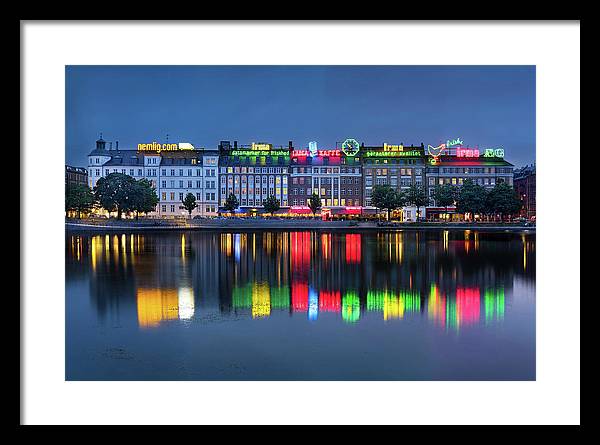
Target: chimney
<point>290,145</point>
<point>117,143</point>
<point>362,145</point>
<point>234,144</point>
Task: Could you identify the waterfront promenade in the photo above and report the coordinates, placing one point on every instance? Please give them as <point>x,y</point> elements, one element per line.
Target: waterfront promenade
<point>281,224</point>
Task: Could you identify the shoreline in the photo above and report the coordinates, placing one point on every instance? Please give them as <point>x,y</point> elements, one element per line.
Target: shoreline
<point>343,226</point>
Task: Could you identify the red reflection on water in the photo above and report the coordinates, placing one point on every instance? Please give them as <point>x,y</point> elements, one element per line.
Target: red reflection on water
<point>330,301</point>
<point>300,251</point>
<point>299,296</point>
<point>353,247</point>
<point>467,304</point>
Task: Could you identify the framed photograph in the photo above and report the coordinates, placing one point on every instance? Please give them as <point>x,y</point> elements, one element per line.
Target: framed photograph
<point>328,230</point>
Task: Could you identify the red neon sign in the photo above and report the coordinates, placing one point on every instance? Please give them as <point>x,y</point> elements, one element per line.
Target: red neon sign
<point>467,152</point>
<point>322,153</point>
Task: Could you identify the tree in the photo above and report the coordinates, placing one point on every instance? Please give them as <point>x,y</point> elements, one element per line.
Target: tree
<point>444,195</point>
<point>417,196</point>
<point>503,200</point>
<point>142,198</point>
<point>79,198</point>
<point>114,191</point>
<point>231,203</point>
<point>314,202</point>
<point>385,197</point>
<point>471,198</point>
<point>271,204</point>
<point>189,203</point>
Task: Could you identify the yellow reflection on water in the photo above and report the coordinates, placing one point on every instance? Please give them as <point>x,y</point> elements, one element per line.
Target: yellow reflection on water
<point>183,246</point>
<point>156,305</point>
<point>94,252</point>
<point>261,300</point>
<point>445,240</point>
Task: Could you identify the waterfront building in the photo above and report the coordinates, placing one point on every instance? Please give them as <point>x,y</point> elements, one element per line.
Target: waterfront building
<point>75,176</point>
<point>335,175</point>
<point>174,170</point>
<point>396,165</point>
<point>524,183</point>
<point>453,164</point>
<point>253,173</point>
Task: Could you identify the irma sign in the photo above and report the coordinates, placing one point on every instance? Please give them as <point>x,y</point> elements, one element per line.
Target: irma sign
<point>156,147</point>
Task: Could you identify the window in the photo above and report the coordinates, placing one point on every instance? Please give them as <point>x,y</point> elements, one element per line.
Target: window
<point>172,208</point>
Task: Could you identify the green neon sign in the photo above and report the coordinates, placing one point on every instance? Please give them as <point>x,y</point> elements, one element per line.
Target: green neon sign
<point>493,153</point>
<point>254,153</point>
<point>393,154</point>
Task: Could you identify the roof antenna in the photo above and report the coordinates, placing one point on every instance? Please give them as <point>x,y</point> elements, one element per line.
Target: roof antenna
<point>167,138</point>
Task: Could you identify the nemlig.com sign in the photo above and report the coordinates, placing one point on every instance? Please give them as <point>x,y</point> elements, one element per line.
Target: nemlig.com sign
<point>156,147</point>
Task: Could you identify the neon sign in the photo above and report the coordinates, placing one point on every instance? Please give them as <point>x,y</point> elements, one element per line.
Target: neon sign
<point>260,153</point>
<point>493,153</point>
<point>388,147</point>
<point>467,153</point>
<point>394,154</point>
<point>312,148</point>
<point>261,146</point>
<point>155,146</point>
<point>436,151</point>
<point>454,142</point>
<point>322,153</point>
<point>350,147</point>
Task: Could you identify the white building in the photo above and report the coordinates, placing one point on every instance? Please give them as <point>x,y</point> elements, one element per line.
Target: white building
<point>173,173</point>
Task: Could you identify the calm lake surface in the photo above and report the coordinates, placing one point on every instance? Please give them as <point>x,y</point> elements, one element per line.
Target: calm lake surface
<point>403,305</point>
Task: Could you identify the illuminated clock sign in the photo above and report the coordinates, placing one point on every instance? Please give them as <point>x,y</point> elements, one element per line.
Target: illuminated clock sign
<point>493,153</point>
<point>467,152</point>
<point>350,147</point>
<point>260,153</point>
<point>156,147</point>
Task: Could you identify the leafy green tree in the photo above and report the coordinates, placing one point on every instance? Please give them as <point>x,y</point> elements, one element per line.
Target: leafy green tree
<point>114,191</point>
<point>444,195</point>
<point>471,198</point>
<point>386,198</point>
<point>271,205</point>
<point>417,196</point>
<point>503,200</point>
<point>231,203</point>
<point>142,198</point>
<point>314,202</point>
<point>79,198</point>
<point>189,203</point>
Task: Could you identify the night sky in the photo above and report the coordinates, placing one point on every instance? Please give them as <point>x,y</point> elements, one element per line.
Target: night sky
<point>485,106</point>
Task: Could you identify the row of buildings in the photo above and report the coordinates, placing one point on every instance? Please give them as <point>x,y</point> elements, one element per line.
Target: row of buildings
<point>343,177</point>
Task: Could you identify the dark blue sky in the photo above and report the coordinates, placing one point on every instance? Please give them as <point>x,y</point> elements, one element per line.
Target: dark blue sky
<point>488,106</point>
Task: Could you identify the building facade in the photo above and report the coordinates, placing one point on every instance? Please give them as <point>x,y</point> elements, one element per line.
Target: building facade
<point>75,176</point>
<point>253,173</point>
<point>524,183</point>
<point>335,175</point>
<point>398,166</point>
<point>173,172</point>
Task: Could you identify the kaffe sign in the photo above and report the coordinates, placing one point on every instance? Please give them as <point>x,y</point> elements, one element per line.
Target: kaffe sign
<point>156,147</point>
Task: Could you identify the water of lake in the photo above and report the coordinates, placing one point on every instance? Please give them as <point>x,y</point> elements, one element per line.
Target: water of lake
<point>401,305</point>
